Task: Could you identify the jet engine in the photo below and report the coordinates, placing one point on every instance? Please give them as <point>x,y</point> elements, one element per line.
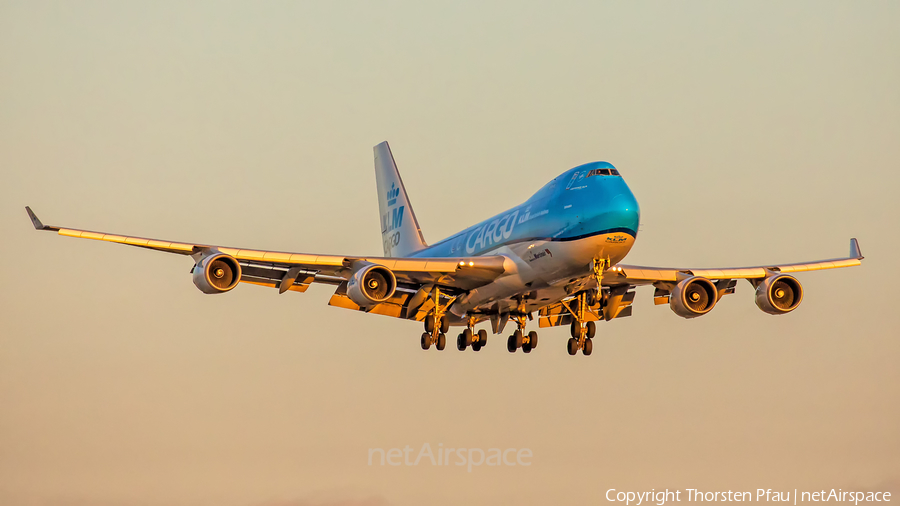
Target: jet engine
<point>217,273</point>
<point>693,297</point>
<point>779,294</point>
<point>371,284</point>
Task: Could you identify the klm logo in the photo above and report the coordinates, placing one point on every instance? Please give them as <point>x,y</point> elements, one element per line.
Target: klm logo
<point>392,220</point>
<point>392,195</point>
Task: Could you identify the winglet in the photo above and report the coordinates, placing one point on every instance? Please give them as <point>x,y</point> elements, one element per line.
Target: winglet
<point>854,249</point>
<point>37,221</point>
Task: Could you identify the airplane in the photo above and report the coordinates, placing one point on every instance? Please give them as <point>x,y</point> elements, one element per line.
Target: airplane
<point>558,254</point>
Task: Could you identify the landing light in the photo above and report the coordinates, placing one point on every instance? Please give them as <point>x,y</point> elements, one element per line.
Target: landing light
<point>462,263</point>
<point>471,264</point>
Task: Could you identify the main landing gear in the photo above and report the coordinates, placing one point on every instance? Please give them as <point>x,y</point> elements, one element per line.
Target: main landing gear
<point>469,337</point>
<point>436,325</point>
<point>582,332</point>
<point>435,332</point>
<point>519,339</point>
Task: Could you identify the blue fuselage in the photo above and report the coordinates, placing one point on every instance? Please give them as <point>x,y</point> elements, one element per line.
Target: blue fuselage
<point>551,240</point>
<point>582,202</point>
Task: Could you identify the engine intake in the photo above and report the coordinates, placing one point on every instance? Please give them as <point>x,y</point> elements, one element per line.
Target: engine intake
<point>779,294</point>
<point>693,297</point>
<point>371,284</point>
<point>217,273</point>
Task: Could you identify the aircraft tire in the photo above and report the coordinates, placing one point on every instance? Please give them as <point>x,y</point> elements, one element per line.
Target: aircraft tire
<point>588,347</point>
<point>460,343</point>
<point>476,346</point>
<point>575,329</point>
<point>445,323</point>
<point>441,341</point>
<point>426,340</point>
<point>429,323</point>
<point>526,347</point>
<point>533,339</point>
<point>511,344</point>
<point>467,336</point>
<point>482,337</point>
<point>519,338</point>
<point>572,346</point>
<point>591,330</point>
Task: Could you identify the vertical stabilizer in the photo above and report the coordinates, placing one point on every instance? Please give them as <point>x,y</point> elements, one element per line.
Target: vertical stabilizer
<point>400,232</point>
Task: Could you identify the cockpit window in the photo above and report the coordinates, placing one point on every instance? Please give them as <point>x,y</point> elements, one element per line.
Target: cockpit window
<point>603,172</point>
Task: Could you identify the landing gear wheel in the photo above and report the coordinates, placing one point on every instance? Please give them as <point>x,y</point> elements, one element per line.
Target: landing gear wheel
<point>572,346</point>
<point>426,340</point>
<point>588,347</point>
<point>460,343</point>
<point>441,341</point>
<point>429,323</point>
<point>482,337</point>
<point>518,338</point>
<point>532,339</point>
<point>476,346</point>
<point>445,323</point>
<point>575,329</point>
<point>511,344</point>
<point>526,347</point>
<point>467,336</point>
<point>591,330</point>
<point>590,298</point>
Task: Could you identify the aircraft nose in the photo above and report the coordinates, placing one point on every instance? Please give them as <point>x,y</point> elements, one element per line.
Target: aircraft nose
<point>626,213</point>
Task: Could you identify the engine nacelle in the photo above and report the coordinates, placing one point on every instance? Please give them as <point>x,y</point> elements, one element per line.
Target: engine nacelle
<point>693,297</point>
<point>217,273</point>
<point>371,284</point>
<point>779,294</point>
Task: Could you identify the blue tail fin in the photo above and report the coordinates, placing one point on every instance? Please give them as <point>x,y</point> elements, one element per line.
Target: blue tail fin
<point>400,232</point>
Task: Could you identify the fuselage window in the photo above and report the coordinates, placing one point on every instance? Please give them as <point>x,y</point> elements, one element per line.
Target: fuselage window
<point>458,243</point>
<point>576,179</point>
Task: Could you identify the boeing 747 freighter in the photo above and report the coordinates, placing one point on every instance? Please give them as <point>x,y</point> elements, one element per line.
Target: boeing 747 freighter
<point>557,255</point>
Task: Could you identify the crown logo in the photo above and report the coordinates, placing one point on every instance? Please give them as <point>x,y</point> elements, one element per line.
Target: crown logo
<point>392,194</point>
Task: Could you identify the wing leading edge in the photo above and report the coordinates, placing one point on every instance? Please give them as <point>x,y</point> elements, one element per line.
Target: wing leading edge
<point>272,268</point>
<point>641,275</point>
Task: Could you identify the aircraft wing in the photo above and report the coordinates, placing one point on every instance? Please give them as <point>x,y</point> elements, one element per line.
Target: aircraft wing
<point>640,275</point>
<point>296,271</point>
<point>621,278</point>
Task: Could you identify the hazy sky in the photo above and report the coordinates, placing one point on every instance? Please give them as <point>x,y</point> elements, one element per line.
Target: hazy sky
<point>750,132</point>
